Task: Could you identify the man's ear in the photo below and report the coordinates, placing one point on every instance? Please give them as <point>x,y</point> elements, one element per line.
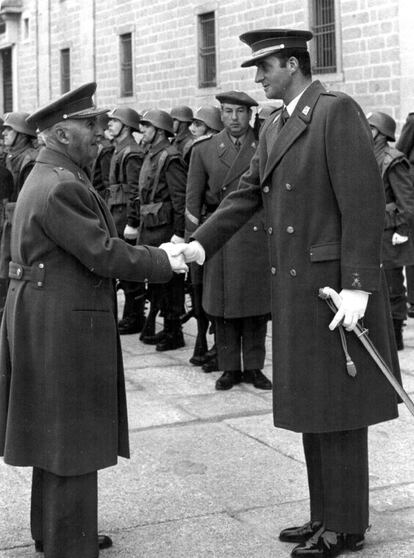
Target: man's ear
<point>61,134</point>
<point>293,64</point>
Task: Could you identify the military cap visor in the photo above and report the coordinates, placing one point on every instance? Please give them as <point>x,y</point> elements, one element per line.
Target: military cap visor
<point>237,98</point>
<point>265,42</point>
<point>75,104</point>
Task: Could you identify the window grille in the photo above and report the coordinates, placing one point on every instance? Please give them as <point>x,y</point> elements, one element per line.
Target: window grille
<point>324,36</point>
<point>207,50</point>
<point>64,70</point>
<point>127,82</point>
<point>7,80</point>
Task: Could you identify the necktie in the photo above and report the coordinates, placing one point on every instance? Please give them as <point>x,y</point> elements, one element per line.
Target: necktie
<point>284,117</point>
<point>237,144</point>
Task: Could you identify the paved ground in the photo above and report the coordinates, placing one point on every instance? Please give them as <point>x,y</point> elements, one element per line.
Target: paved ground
<point>210,476</point>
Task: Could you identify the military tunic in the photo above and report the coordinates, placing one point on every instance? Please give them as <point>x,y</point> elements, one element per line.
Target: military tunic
<point>312,189</point>
<point>62,397</point>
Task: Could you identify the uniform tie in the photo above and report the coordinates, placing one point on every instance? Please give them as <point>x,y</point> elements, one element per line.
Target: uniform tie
<point>237,144</point>
<point>284,116</point>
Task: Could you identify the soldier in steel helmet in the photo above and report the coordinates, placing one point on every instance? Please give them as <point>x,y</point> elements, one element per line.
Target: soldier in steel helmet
<point>183,138</point>
<point>121,198</point>
<point>102,164</point>
<point>162,185</point>
<point>18,141</point>
<point>398,245</point>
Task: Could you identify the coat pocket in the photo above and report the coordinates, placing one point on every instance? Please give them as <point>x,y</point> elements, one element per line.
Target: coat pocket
<point>325,251</point>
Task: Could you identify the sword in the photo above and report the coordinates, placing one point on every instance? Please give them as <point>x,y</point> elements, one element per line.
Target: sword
<point>333,299</point>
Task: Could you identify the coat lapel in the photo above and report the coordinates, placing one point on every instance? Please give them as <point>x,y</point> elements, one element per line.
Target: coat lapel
<point>106,216</point>
<point>242,161</point>
<point>293,128</point>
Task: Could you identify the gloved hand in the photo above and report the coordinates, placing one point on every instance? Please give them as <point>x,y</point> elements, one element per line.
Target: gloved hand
<point>130,233</point>
<point>398,239</point>
<point>175,257</point>
<point>192,252</point>
<point>352,309</point>
<point>175,239</point>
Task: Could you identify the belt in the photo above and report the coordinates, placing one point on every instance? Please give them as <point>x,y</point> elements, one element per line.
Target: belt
<point>32,273</point>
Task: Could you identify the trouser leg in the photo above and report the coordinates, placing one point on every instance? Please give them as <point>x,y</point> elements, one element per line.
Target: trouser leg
<point>397,293</point>
<point>64,513</point>
<point>337,464</point>
<point>253,342</point>
<point>228,342</point>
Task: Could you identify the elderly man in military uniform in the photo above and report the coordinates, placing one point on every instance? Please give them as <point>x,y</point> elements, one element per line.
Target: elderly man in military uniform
<point>236,287</point>
<point>122,193</point>
<point>316,176</point>
<point>63,405</point>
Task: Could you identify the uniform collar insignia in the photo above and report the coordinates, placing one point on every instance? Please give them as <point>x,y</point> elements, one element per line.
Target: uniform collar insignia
<point>306,110</point>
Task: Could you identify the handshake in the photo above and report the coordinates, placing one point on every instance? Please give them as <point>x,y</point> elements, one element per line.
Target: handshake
<point>180,254</point>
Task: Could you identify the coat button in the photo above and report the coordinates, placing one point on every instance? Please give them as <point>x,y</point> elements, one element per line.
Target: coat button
<point>290,229</point>
<point>255,228</point>
<point>289,187</point>
<point>292,272</point>
<point>270,230</point>
<point>224,188</point>
<point>266,189</point>
<point>273,270</point>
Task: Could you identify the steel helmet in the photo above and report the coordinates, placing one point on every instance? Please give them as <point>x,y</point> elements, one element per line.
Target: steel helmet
<point>384,123</point>
<point>211,117</point>
<point>182,113</point>
<point>159,119</point>
<point>17,121</point>
<point>128,116</point>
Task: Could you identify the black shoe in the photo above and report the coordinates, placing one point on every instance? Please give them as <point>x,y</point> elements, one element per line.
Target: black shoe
<point>328,544</point>
<point>130,324</point>
<point>257,378</point>
<point>210,366</point>
<point>300,534</point>
<point>171,341</point>
<point>198,360</point>
<point>153,339</point>
<point>229,379</point>
<point>103,542</point>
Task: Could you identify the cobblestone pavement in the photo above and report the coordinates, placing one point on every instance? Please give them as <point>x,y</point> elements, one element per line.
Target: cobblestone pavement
<point>210,476</point>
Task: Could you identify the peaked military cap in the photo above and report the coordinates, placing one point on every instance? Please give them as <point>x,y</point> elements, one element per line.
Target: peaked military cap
<point>264,42</point>
<point>75,104</point>
<point>237,98</point>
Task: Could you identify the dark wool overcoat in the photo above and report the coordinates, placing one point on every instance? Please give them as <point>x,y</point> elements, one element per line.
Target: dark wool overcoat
<point>320,186</point>
<point>236,280</point>
<point>62,394</point>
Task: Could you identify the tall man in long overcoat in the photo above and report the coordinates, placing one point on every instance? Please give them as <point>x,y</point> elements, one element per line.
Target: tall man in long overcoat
<point>236,285</point>
<point>316,176</point>
<point>62,394</point>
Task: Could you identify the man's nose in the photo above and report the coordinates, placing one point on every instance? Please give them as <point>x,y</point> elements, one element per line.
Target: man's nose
<point>259,76</point>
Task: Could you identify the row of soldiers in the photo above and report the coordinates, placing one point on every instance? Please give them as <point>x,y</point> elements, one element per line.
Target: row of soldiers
<point>162,174</point>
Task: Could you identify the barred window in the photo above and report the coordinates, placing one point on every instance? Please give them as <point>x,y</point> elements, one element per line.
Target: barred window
<point>127,80</point>
<point>207,50</point>
<point>323,28</point>
<point>64,70</point>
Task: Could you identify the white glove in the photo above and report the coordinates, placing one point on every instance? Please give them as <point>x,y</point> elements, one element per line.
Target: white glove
<point>194,252</point>
<point>352,309</point>
<point>175,257</point>
<point>175,239</point>
<point>398,239</point>
<point>130,233</point>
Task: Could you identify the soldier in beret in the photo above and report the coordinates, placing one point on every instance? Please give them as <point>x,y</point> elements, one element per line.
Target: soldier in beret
<point>316,175</point>
<point>62,389</point>
<point>236,287</point>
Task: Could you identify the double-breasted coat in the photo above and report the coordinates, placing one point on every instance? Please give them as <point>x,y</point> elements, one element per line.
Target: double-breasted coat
<point>62,394</point>
<point>323,197</point>
<point>236,280</point>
